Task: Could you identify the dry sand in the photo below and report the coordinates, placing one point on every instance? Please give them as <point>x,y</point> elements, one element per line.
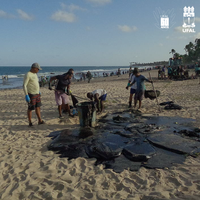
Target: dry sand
<point>29,171</point>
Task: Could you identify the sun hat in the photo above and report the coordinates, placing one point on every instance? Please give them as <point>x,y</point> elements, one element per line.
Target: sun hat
<point>36,65</point>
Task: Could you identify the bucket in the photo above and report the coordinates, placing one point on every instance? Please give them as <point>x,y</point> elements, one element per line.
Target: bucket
<point>87,114</point>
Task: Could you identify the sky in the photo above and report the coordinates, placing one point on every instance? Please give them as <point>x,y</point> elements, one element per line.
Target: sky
<point>92,32</point>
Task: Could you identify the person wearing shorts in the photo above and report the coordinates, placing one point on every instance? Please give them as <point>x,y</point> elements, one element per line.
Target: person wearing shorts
<point>32,91</point>
<point>133,88</point>
<point>98,96</point>
<point>62,91</point>
<point>139,93</point>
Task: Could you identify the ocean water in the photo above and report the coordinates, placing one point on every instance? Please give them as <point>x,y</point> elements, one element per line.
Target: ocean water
<point>16,74</point>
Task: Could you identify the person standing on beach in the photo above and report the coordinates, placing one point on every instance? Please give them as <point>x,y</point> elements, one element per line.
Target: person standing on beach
<point>89,76</point>
<point>62,91</point>
<point>32,91</point>
<point>133,87</point>
<point>130,71</point>
<point>98,96</point>
<point>139,80</point>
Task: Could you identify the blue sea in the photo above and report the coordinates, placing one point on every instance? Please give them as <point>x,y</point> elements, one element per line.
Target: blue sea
<point>16,74</point>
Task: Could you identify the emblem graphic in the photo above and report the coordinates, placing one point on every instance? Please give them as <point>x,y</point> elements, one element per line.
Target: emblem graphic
<point>164,19</point>
<point>188,17</point>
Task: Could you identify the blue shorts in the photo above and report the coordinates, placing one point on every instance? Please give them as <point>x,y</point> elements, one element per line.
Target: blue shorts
<point>103,97</point>
<point>132,91</point>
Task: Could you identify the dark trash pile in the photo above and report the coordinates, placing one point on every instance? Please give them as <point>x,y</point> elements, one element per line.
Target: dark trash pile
<point>130,140</point>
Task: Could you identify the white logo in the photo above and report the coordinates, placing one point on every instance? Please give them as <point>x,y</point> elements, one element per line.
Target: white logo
<point>164,19</point>
<point>188,19</point>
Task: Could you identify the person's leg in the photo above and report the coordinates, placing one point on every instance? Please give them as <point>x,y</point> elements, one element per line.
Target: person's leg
<point>130,100</point>
<point>67,108</point>
<point>60,110</point>
<point>59,102</point>
<point>140,103</point>
<point>132,91</point>
<point>103,98</point>
<point>66,102</point>
<point>29,113</point>
<point>37,111</point>
<point>101,106</point>
<point>140,97</point>
<point>135,103</point>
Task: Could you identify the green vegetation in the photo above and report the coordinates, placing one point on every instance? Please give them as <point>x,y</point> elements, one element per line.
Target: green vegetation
<point>192,52</point>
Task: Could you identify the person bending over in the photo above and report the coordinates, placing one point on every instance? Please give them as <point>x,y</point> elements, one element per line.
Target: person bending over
<point>62,91</point>
<point>98,96</point>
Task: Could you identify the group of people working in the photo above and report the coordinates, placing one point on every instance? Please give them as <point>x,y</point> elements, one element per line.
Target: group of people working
<point>62,91</point>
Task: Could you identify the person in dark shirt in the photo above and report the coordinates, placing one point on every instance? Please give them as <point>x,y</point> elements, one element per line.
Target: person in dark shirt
<point>89,76</point>
<point>62,91</point>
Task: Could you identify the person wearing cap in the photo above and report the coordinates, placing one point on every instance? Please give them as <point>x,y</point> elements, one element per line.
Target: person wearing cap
<point>32,93</point>
<point>98,96</point>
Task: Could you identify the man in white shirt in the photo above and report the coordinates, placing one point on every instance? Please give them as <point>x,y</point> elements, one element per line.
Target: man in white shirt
<point>32,91</point>
<point>99,96</point>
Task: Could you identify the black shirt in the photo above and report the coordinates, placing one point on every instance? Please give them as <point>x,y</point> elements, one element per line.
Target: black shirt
<point>62,82</point>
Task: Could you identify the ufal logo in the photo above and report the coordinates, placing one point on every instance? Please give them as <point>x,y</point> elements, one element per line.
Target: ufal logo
<point>188,19</point>
<point>164,19</point>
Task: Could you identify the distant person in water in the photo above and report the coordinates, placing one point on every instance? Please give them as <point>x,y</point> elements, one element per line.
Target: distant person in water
<point>139,93</point>
<point>32,91</point>
<point>98,96</point>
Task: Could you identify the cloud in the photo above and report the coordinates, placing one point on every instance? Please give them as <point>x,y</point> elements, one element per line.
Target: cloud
<point>72,7</point>
<point>23,15</point>
<point>67,16</point>
<point>179,29</point>
<point>88,28</point>
<point>197,19</point>
<point>3,14</point>
<point>99,2</point>
<point>63,16</point>
<point>160,44</point>
<point>126,28</point>
<point>197,35</point>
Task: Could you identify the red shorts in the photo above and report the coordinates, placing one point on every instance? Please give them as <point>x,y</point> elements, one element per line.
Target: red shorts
<point>35,101</point>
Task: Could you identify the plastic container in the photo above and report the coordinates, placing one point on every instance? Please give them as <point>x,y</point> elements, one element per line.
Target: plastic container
<point>87,114</point>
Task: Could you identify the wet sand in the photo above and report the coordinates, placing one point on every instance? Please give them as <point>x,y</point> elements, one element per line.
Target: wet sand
<point>30,171</point>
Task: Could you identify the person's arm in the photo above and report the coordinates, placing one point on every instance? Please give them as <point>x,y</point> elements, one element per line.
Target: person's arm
<point>52,79</point>
<point>146,79</point>
<point>96,99</point>
<point>132,83</point>
<point>102,107</point>
<point>129,81</point>
<point>68,89</point>
<point>26,80</point>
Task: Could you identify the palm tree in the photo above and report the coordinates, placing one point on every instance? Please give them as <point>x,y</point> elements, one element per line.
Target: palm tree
<point>172,51</point>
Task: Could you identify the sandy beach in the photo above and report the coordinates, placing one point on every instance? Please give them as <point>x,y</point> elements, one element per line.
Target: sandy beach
<point>30,171</point>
